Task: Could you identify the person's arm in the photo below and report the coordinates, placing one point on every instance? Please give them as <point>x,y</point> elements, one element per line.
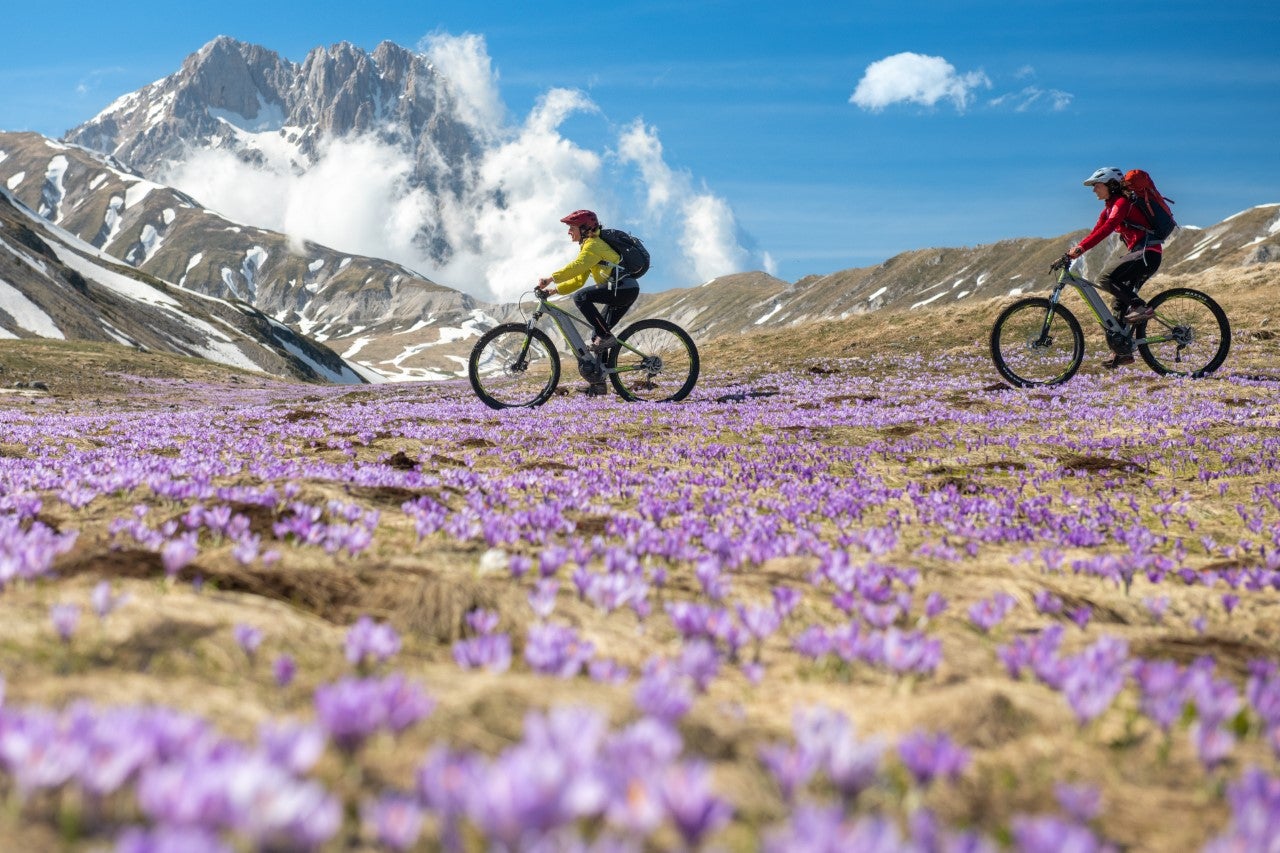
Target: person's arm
<point>574,276</point>
<point>1108,222</point>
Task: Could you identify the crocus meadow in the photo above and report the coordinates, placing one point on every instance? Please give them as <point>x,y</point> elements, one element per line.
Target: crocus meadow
<point>861,607</point>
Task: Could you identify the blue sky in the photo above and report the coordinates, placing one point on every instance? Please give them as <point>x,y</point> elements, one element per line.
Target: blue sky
<point>974,122</point>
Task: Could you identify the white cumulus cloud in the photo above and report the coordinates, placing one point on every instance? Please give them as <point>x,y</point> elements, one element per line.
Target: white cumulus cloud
<point>503,226</point>
<point>916,78</point>
<point>706,224</point>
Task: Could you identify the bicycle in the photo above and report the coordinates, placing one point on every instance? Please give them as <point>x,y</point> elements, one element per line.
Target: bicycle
<point>1036,341</point>
<point>517,365</point>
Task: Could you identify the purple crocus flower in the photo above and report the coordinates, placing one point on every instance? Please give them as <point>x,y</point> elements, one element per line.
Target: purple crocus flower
<point>785,600</point>
<point>554,649</point>
<point>65,619</point>
<point>1255,814</point>
<point>663,693</point>
<point>177,553</point>
<point>443,783</point>
<point>935,604</point>
<point>283,670</point>
<point>543,597</point>
<point>990,612</point>
<point>1163,691</point>
<point>607,671</point>
<point>292,745</point>
<point>394,821</point>
<point>700,661</point>
<point>1092,679</point>
<point>488,651</point>
<point>1081,616</point>
<point>104,600</point>
<point>1157,607</point>
<point>248,638</point>
<point>1054,835</point>
<point>1047,603</point>
<point>352,710</point>
<point>1081,802</point>
<point>371,642</point>
<point>930,756</point>
<point>811,828</point>
<point>692,807</point>
<point>1213,743</point>
<point>790,768</point>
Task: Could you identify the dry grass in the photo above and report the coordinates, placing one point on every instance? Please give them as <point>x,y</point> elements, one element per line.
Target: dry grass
<point>173,644</point>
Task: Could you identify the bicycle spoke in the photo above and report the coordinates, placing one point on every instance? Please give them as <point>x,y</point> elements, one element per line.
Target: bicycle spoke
<point>1035,342</point>
<point>1188,336</point>
<point>512,366</point>
<point>655,361</point>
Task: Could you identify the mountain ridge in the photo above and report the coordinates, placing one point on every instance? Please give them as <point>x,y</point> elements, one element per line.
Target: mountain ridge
<point>397,324</point>
<point>100,184</point>
<point>53,285</point>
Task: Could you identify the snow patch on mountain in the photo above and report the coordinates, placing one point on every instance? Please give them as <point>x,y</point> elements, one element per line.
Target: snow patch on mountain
<point>54,190</point>
<point>270,118</point>
<point>26,314</point>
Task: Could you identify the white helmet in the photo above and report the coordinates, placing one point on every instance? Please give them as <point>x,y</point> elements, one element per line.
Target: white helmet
<point>1105,175</point>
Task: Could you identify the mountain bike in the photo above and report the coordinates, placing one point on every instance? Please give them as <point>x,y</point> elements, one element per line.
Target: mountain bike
<point>516,364</point>
<point>1037,341</point>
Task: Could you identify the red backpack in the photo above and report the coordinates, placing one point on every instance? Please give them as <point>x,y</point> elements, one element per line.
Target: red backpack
<point>1142,192</point>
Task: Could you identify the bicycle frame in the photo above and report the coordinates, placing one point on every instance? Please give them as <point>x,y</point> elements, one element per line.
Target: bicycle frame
<point>567,324</point>
<point>1110,324</point>
<point>1089,291</point>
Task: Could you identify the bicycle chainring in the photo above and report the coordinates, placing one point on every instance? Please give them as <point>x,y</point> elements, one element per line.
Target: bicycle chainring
<point>590,370</point>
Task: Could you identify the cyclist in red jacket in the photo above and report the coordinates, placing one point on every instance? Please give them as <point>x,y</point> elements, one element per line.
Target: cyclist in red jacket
<point>1123,279</point>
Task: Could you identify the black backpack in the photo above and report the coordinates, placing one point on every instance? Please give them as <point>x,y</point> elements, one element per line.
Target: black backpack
<point>634,256</point>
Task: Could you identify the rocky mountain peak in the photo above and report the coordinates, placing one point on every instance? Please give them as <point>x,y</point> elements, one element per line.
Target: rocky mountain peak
<point>230,94</point>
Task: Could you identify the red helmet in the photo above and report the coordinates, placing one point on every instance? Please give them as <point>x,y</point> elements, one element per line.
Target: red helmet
<point>583,219</point>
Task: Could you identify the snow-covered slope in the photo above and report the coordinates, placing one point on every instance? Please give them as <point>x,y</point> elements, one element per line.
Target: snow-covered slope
<point>55,285</point>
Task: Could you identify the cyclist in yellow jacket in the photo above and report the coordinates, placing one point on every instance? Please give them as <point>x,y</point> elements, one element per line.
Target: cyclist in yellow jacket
<point>612,287</point>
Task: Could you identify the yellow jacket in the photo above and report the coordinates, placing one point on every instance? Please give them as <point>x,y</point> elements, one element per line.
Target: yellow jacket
<point>595,259</point>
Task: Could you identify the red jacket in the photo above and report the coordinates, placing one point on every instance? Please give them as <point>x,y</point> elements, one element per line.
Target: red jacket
<point>1122,216</point>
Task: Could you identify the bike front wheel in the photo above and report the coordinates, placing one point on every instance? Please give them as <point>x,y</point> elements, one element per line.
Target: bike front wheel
<point>655,361</point>
<point>1188,336</point>
<point>513,365</point>
<point>1036,342</point>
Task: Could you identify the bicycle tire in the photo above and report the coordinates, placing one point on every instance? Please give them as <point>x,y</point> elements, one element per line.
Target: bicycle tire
<point>513,366</point>
<point>1192,334</point>
<point>1025,350</point>
<point>660,366</point>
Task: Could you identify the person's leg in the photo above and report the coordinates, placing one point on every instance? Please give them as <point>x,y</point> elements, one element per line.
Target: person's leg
<point>1138,310</point>
<point>586,300</point>
<point>1123,280</point>
<point>624,297</point>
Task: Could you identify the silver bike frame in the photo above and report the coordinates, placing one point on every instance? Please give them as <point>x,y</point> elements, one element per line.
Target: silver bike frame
<point>1089,291</point>
<point>567,324</point>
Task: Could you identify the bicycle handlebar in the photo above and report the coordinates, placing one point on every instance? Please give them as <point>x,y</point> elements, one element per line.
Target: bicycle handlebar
<point>1061,263</point>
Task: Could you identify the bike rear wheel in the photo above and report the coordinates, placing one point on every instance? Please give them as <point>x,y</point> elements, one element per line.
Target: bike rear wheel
<point>513,365</point>
<point>659,362</point>
<point>1189,335</point>
<point>1035,342</point>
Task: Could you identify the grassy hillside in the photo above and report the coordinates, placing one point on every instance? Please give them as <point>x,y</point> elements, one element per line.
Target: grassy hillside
<point>854,588</point>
